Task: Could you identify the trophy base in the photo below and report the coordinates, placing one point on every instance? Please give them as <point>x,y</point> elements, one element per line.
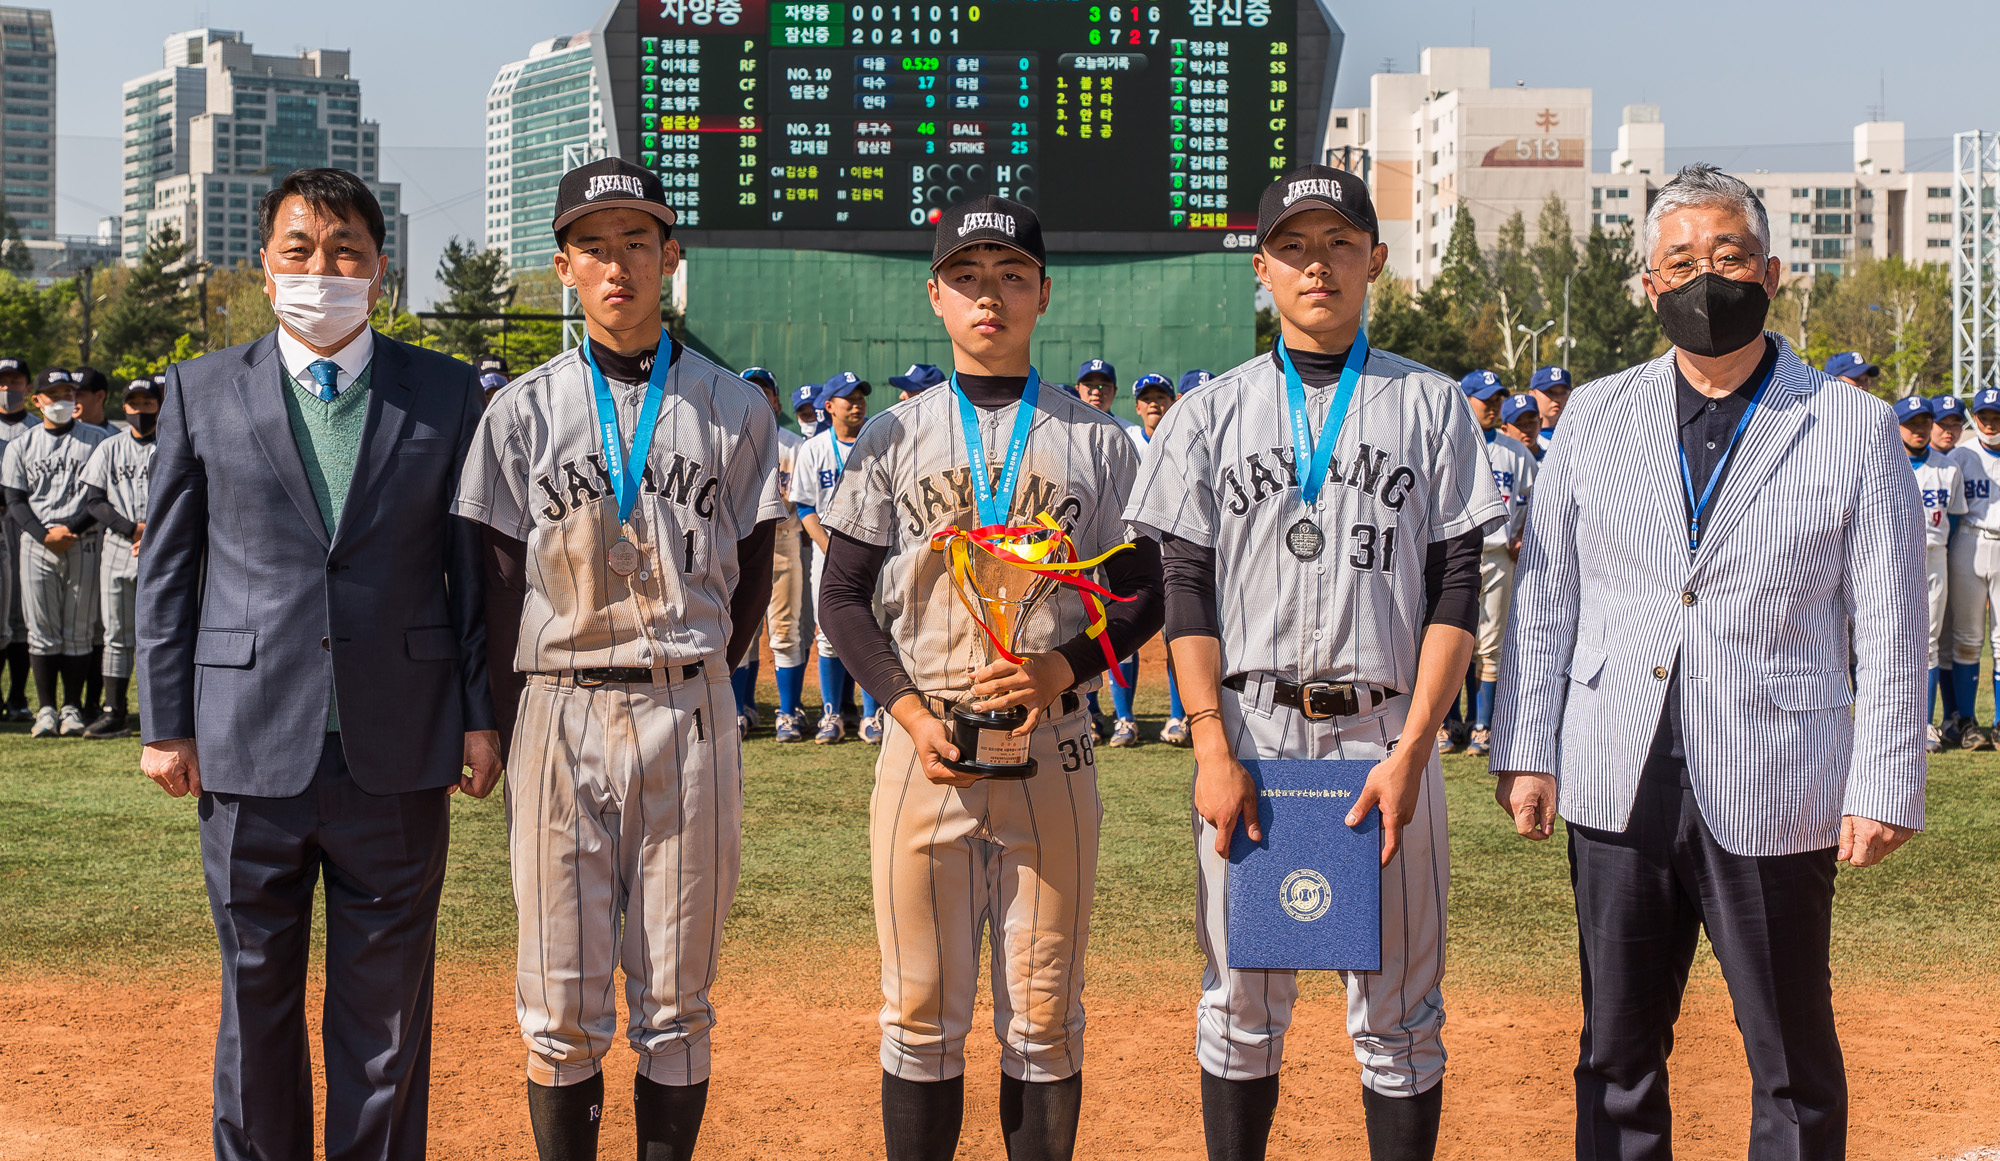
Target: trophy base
<point>984,739</point>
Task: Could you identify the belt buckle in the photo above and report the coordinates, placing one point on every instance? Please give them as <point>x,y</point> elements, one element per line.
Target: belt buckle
<point>589,682</point>
<point>1309,692</point>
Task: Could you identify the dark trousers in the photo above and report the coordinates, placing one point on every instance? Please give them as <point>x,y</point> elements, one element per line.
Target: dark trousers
<point>383,859</point>
<point>1642,896</point>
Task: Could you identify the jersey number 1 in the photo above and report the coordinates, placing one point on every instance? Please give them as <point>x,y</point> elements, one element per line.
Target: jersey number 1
<point>687,566</point>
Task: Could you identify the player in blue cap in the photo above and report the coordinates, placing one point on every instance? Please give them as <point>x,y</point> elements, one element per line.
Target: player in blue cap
<point>805,411</point>
<point>1975,582</point>
<point>1151,396</point>
<point>1941,485</point>
<point>1948,419</point>
<point>1849,365</point>
<point>1097,385</point>
<point>1551,387</point>
<point>1521,419</point>
<point>915,380</point>
<point>843,400</point>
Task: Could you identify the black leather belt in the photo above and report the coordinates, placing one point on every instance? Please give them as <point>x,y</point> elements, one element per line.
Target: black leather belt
<point>1318,700</point>
<point>1069,703</point>
<point>622,675</point>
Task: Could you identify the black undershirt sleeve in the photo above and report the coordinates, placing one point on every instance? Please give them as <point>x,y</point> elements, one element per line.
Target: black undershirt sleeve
<point>1451,581</point>
<point>506,590</point>
<point>847,617</point>
<point>1129,624</point>
<point>752,598</point>
<point>99,506</point>
<point>24,515</point>
<point>1190,577</point>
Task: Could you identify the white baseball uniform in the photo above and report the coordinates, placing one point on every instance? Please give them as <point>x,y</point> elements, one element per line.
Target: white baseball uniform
<point>58,589</point>
<point>1514,476</point>
<point>786,618</point>
<point>1942,486</point>
<point>13,626</point>
<point>1409,470</point>
<point>624,800</point>
<point>1019,855</point>
<point>1974,555</point>
<point>817,468</point>
<point>122,467</point>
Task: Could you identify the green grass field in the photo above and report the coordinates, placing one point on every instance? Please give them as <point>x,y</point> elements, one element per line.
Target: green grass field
<point>100,873</point>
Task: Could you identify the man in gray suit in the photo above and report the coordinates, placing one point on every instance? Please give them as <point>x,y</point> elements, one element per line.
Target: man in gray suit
<point>312,666</point>
<point>1675,681</point>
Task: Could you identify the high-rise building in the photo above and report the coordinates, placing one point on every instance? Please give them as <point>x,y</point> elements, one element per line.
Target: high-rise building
<point>28,120</point>
<point>219,124</point>
<point>540,109</point>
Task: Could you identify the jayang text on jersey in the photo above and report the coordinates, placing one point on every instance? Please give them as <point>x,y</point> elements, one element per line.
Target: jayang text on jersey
<point>579,481</point>
<point>937,499</point>
<point>1370,546</point>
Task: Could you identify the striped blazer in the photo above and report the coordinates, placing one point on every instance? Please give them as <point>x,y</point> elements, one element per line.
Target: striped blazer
<point>1812,528</point>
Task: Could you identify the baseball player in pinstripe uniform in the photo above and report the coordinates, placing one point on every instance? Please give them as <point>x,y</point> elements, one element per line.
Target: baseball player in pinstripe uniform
<point>1974,564</point>
<point>1942,487</point>
<point>952,854</point>
<point>1298,564</point>
<point>115,485</point>
<point>15,422</point>
<point>781,620</point>
<point>640,480</point>
<point>58,547</point>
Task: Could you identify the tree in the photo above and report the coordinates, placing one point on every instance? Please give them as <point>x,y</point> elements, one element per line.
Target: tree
<point>155,308</point>
<point>1422,328</point>
<point>1463,279</point>
<point>475,282</point>
<point>1554,255</point>
<point>14,256</point>
<point>31,319</point>
<point>1895,314</point>
<point>1611,329</point>
<point>1516,297</point>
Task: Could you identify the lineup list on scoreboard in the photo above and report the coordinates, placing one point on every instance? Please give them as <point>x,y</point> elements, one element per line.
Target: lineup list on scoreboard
<point>826,116</point>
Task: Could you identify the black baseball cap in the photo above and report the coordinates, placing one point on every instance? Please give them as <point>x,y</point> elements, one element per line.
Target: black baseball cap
<point>52,377</point>
<point>89,379</point>
<point>144,387</point>
<point>997,220</point>
<point>9,365</point>
<point>609,183</point>
<point>1316,187</point>
<point>492,365</point>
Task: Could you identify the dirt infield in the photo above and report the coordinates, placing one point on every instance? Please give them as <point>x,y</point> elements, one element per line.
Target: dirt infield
<point>104,1072</point>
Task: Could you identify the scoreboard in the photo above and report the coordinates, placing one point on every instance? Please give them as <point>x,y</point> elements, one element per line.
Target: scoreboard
<point>823,124</point>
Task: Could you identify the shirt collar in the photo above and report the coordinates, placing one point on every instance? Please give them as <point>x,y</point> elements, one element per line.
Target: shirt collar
<point>352,359</point>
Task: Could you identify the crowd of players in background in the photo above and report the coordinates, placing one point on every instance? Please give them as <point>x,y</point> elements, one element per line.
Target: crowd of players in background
<point>74,488</point>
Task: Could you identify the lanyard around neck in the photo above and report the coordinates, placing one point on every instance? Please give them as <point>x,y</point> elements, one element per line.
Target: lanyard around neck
<point>1311,458</point>
<point>996,503</point>
<point>1698,506</point>
<point>625,484</point>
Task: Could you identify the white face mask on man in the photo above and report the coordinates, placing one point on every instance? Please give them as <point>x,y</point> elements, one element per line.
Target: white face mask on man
<point>1992,441</point>
<point>59,411</point>
<point>322,309</point>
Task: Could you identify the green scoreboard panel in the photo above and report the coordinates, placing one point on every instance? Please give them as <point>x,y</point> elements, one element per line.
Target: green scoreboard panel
<point>825,125</point>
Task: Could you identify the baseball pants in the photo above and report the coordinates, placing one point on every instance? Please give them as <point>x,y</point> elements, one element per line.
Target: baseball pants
<point>625,827</point>
<point>1395,1016</point>
<point>59,595</point>
<point>1974,572</point>
<point>819,638</point>
<point>790,644</point>
<point>1496,595</point>
<point>1937,574</point>
<point>1018,855</point>
<point>118,590</point>
<point>9,586</point>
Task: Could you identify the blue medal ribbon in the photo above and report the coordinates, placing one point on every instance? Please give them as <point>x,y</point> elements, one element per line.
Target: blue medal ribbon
<point>625,485</point>
<point>1312,459</point>
<point>839,461</point>
<point>1698,506</point>
<point>996,503</point>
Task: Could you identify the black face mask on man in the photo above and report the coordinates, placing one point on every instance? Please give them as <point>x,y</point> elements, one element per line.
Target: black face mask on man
<point>1711,315</point>
<point>143,422</point>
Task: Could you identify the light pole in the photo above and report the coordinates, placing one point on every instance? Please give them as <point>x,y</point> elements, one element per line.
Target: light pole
<point>1534,335</point>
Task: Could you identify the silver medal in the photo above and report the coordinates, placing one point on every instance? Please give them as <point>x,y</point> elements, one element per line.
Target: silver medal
<point>1305,540</point>
<point>623,558</point>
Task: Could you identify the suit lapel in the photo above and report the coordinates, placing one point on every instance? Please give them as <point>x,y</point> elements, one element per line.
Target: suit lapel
<point>389,399</point>
<point>1657,441</point>
<point>1770,436</point>
<point>260,389</point>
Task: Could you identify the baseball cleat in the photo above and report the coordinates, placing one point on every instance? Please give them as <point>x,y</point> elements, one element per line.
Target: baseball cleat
<point>743,725</point>
<point>1970,736</point>
<point>1100,725</point>
<point>747,719</point>
<point>72,725</point>
<point>1125,732</point>
<point>18,711</point>
<point>831,730</point>
<point>788,730</point>
<point>112,723</point>
<point>1933,741</point>
<point>1482,742</point>
<point>871,728</point>
<point>1948,732</point>
<point>1175,732</point>
<point>45,723</point>
<point>1447,743</point>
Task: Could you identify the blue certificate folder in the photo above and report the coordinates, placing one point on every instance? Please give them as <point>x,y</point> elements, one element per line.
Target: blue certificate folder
<point>1310,895</point>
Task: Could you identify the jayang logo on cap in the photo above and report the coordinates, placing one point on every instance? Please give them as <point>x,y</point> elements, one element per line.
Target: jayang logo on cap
<point>1312,187</point>
<point>613,183</point>
<point>987,221</point>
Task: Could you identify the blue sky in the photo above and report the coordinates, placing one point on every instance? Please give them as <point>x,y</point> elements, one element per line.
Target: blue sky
<point>1757,85</point>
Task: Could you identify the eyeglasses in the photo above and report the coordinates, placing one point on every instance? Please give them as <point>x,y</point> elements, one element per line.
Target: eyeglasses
<point>1730,262</point>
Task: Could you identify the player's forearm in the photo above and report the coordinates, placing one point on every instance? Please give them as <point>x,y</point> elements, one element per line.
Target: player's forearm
<point>1134,573</point>
<point>752,597</point>
<point>847,617</point>
<point>99,506</point>
<point>1441,663</point>
<point>809,520</point>
<point>1189,572</point>
<point>23,515</point>
<point>1197,662</point>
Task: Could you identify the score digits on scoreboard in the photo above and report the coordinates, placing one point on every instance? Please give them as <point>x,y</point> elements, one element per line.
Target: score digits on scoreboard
<point>867,119</point>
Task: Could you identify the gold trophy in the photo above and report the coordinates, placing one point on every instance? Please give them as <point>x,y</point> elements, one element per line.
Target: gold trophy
<point>995,573</point>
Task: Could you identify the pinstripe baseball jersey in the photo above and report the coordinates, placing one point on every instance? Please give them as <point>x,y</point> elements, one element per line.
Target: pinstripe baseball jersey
<point>536,472</point>
<point>1943,489</point>
<point>123,466</point>
<point>1514,477</point>
<point>1410,468</point>
<point>1978,470</point>
<point>908,478</point>
<point>49,467</point>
